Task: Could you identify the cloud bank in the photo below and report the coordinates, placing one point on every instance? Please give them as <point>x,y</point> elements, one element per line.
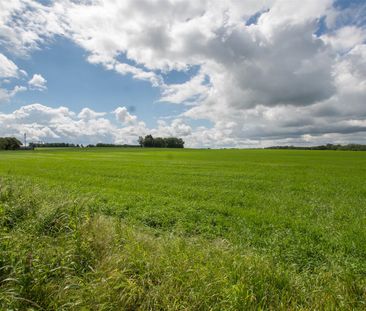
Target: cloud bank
<point>269,72</point>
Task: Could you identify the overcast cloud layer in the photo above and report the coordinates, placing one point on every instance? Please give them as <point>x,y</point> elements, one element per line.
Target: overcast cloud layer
<point>269,72</point>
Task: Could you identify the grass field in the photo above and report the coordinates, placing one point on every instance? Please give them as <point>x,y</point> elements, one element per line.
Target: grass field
<point>143,229</point>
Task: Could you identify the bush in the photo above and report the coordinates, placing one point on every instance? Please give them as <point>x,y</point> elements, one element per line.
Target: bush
<point>9,143</point>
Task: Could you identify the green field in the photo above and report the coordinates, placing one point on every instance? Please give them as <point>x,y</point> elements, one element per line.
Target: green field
<point>144,229</point>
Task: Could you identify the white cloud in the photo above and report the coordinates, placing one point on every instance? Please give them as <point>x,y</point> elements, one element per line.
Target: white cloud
<point>88,114</point>
<point>124,116</point>
<point>284,13</point>
<point>6,95</point>
<point>283,126</point>
<point>190,92</point>
<point>7,68</point>
<point>26,24</point>
<point>345,38</point>
<point>43,123</point>
<point>8,71</point>
<point>37,83</point>
<point>177,128</point>
<point>246,65</point>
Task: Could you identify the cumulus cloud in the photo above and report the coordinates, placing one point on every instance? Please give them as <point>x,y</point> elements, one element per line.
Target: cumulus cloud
<point>190,92</point>
<point>88,114</point>
<point>346,38</point>
<point>176,128</point>
<point>124,116</point>
<point>6,95</point>
<point>37,83</point>
<point>267,74</point>
<point>43,123</point>
<point>7,68</point>
<point>26,24</point>
<point>247,65</point>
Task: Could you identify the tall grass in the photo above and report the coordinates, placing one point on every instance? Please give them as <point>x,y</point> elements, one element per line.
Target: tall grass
<point>62,251</point>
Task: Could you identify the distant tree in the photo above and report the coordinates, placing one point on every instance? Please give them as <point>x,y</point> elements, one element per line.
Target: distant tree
<point>14,143</point>
<point>141,141</point>
<point>174,142</point>
<point>114,145</point>
<point>349,147</point>
<point>9,143</point>
<point>159,142</point>
<point>52,145</point>
<point>148,141</point>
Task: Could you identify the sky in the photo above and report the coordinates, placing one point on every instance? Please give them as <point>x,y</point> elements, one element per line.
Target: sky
<point>234,73</point>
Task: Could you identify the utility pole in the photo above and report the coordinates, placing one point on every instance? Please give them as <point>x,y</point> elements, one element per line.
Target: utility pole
<point>25,139</point>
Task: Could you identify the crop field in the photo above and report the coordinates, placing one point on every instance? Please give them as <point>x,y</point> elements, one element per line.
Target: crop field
<point>149,229</point>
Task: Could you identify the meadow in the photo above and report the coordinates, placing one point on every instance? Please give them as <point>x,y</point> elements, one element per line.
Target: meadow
<point>162,229</point>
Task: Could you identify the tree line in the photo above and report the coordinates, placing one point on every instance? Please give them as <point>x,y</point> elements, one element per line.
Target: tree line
<point>101,145</point>
<point>349,147</point>
<point>12,143</point>
<point>53,145</point>
<point>159,142</point>
<point>9,143</point>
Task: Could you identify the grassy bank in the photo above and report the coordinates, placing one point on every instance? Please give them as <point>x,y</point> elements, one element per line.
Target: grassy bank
<point>109,229</point>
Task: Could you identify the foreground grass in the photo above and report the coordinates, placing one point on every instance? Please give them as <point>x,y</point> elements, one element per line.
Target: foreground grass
<point>171,230</point>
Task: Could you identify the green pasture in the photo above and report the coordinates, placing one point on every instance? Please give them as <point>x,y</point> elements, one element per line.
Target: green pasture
<point>164,229</point>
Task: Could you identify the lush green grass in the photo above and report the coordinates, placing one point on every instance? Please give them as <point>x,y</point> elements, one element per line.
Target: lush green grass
<point>129,229</point>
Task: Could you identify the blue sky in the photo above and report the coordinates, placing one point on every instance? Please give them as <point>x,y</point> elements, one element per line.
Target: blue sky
<point>198,72</point>
<point>75,83</point>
